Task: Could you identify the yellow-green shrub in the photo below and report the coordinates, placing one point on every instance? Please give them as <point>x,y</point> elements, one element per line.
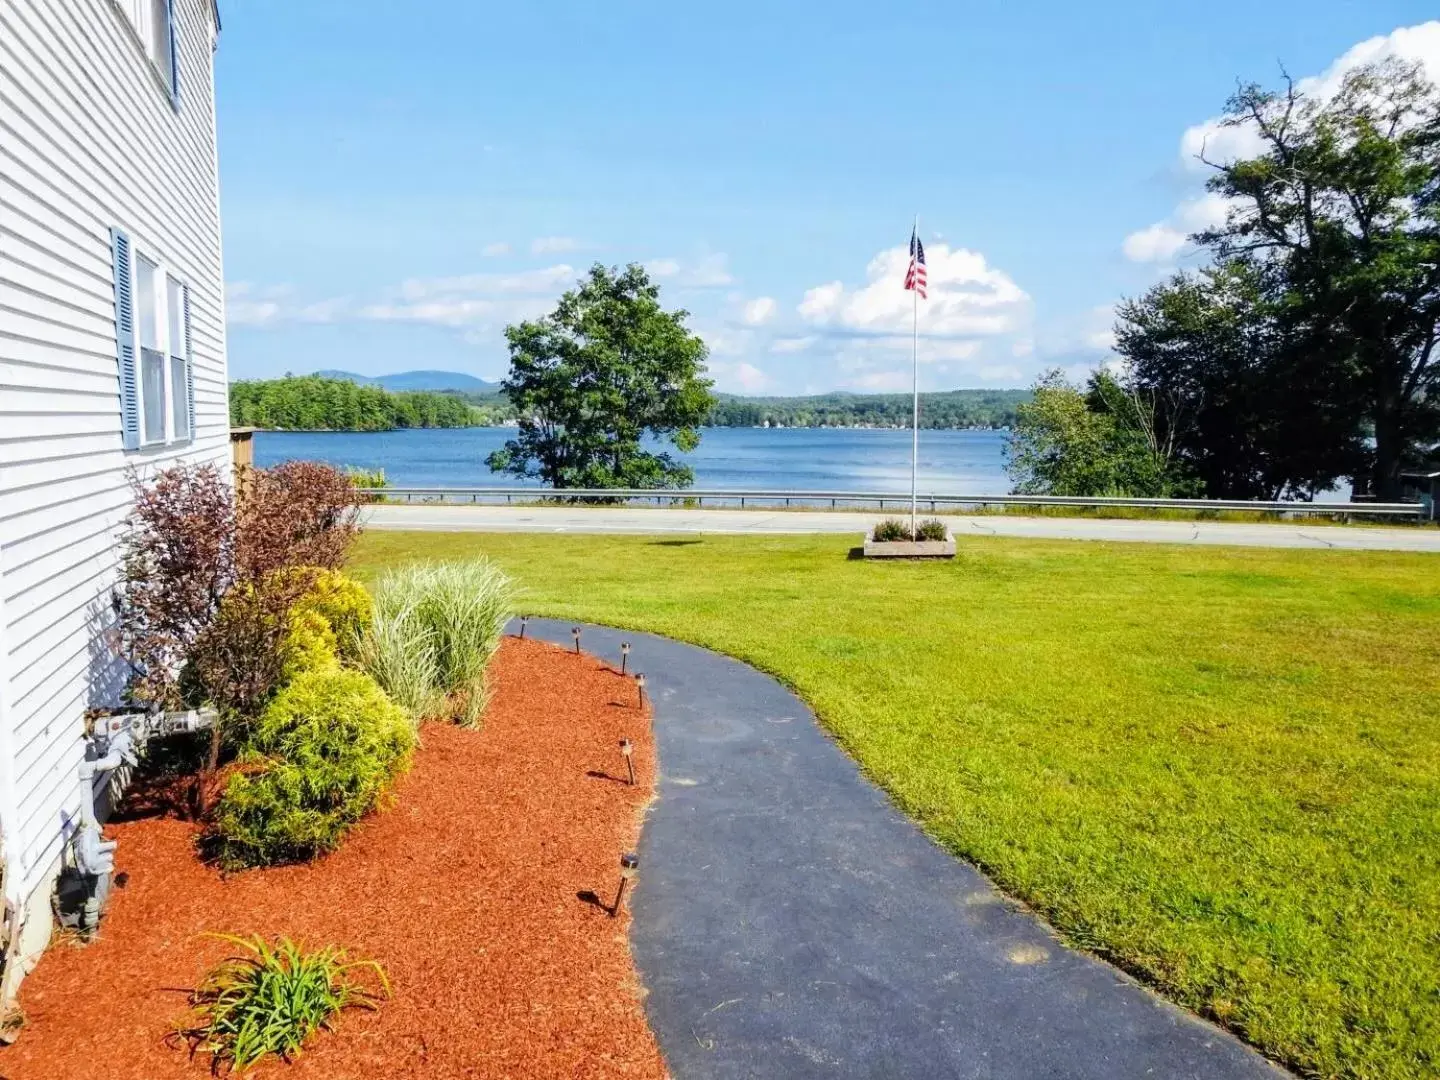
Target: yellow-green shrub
<point>319,757</point>
<point>327,621</point>
<point>343,603</point>
<point>310,643</point>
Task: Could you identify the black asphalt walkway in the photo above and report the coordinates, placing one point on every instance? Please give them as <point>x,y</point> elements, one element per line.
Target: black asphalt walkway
<point>791,923</point>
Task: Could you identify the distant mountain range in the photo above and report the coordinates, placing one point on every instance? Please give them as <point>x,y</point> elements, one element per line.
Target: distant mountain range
<point>417,380</point>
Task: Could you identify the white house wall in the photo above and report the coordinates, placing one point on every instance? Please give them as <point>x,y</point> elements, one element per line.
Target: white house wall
<point>89,140</point>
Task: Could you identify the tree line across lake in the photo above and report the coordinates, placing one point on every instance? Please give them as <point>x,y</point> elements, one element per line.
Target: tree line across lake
<point>316,403</point>
<point>312,403</point>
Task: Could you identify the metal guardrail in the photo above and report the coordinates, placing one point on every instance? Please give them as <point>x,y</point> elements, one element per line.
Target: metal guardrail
<point>932,500</point>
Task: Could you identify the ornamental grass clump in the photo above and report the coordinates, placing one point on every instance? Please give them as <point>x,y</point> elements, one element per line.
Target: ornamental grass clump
<point>436,628</point>
<point>320,756</point>
<point>271,997</point>
<point>893,529</point>
<point>931,529</point>
<point>399,655</point>
<point>890,529</point>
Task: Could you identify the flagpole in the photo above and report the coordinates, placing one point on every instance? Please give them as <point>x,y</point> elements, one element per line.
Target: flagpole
<point>915,389</point>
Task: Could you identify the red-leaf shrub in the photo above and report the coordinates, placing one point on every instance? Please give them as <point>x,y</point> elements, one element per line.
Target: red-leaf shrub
<point>189,541</point>
<point>239,660</point>
<point>177,563</point>
<point>300,513</point>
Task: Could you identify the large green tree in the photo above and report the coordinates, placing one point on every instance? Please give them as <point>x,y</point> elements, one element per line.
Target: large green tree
<point>1100,439</point>
<point>1342,204</point>
<point>1220,355</point>
<point>608,369</point>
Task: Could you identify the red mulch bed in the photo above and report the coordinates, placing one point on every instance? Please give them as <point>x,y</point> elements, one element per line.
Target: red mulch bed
<point>467,890</point>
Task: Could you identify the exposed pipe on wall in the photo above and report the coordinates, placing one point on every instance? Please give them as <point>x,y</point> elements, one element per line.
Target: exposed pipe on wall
<point>115,744</point>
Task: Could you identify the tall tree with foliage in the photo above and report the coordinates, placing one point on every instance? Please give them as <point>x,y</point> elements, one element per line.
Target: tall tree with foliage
<point>591,381</point>
<point>1219,354</point>
<point>1342,204</point>
<point>1101,439</point>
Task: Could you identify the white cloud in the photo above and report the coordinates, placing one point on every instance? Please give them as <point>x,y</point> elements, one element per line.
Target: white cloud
<point>967,298</point>
<point>474,300</point>
<point>820,301</point>
<point>1001,373</point>
<point>706,272</point>
<point>727,340</point>
<point>248,304</point>
<point>793,344</point>
<point>553,245</point>
<point>1101,339</point>
<point>325,311</point>
<point>1410,43</point>
<point>759,311</point>
<point>1085,333</point>
<point>547,281</point>
<point>476,303</point>
<point>1162,241</point>
<point>499,247</point>
<point>1099,328</point>
<point>880,381</point>
<point>743,376</point>
<point>710,271</point>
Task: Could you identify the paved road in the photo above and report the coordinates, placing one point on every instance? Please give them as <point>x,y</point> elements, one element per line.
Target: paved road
<point>643,520</point>
<point>790,923</point>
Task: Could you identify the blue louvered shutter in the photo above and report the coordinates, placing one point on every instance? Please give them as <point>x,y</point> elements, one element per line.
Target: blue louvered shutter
<point>189,367</point>
<point>125,340</point>
<point>174,54</point>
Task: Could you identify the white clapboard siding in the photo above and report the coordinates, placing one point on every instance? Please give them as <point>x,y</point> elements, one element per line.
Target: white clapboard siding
<point>89,141</point>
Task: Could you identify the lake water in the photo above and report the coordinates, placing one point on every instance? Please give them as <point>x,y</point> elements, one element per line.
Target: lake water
<point>847,459</point>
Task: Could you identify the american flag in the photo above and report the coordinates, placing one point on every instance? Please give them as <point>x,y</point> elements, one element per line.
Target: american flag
<point>915,276</point>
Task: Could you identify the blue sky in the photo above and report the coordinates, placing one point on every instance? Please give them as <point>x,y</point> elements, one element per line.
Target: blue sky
<point>400,181</point>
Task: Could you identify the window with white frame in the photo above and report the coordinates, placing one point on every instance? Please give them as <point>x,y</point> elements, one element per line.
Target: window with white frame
<point>178,359</point>
<point>153,21</point>
<point>161,353</point>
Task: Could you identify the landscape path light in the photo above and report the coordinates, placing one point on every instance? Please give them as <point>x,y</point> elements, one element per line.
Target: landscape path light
<point>629,866</point>
<point>524,622</point>
<point>624,655</point>
<point>575,632</point>
<point>640,686</point>
<point>628,752</point>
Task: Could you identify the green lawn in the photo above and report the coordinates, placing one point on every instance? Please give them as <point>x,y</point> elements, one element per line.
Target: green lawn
<point>1218,767</point>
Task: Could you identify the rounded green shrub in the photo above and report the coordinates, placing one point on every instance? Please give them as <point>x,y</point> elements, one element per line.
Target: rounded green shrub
<point>320,756</point>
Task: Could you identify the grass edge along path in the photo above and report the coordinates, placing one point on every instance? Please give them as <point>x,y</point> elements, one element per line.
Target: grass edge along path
<point>1217,767</point>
